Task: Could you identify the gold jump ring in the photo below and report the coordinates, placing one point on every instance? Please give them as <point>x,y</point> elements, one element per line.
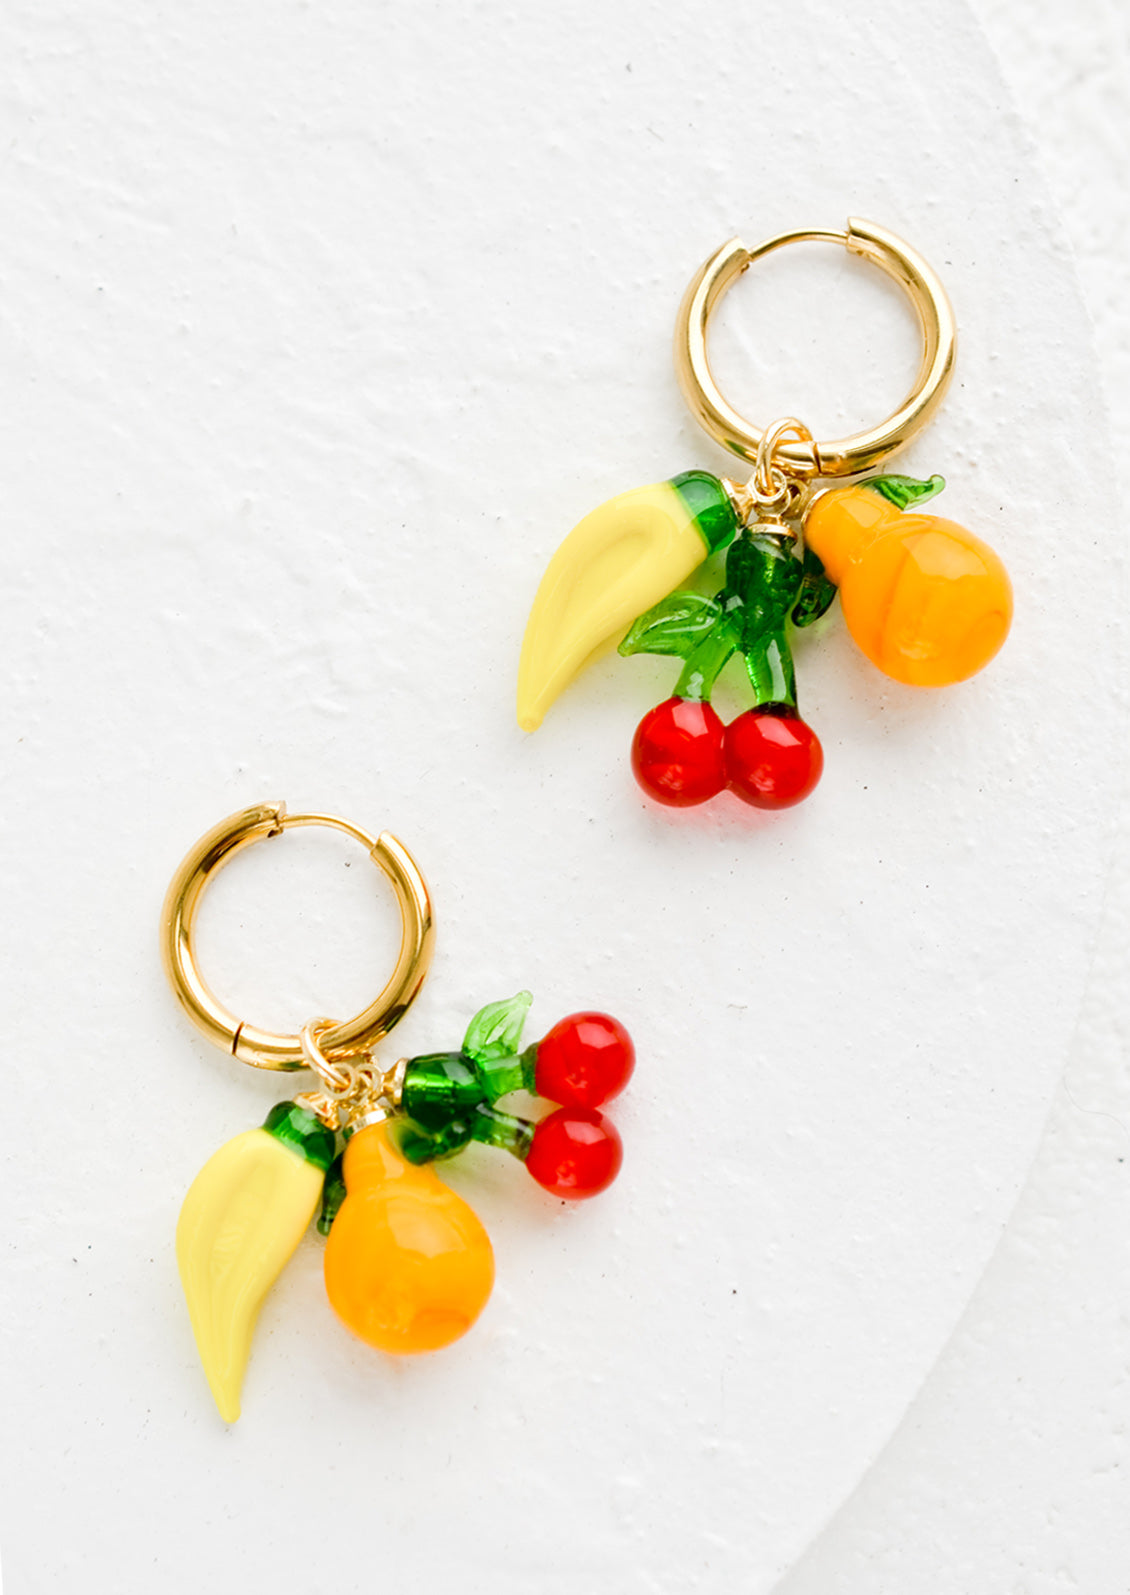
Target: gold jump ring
<point>769,481</point>
<point>338,1079</point>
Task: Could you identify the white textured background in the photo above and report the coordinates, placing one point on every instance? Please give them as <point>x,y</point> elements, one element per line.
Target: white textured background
<point>1010,1471</point>
<point>319,328</point>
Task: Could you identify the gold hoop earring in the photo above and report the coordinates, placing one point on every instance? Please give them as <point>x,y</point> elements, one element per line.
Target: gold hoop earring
<point>408,1265</point>
<point>927,602</point>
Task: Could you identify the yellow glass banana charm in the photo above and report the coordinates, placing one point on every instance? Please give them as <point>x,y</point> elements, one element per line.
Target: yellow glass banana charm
<point>244,1214</point>
<point>617,562</point>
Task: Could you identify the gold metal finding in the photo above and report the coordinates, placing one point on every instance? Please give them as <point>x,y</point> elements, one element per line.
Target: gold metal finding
<point>266,1049</point>
<point>323,1107</point>
<point>804,457</point>
<point>354,1094</point>
<point>339,1080</point>
<point>769,482</point>
<point>772,494</point>
<point>392,1083</point>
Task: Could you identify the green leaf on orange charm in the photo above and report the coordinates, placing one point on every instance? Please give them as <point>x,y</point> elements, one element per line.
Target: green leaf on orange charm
<point>496,1030</point>
<point>903,491</point>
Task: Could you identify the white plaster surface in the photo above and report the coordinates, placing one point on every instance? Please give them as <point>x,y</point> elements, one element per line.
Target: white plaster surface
<point>319,329</point>
<point>1009,1471</point>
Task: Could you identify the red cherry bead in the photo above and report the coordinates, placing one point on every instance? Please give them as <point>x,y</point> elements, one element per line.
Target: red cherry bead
<point>584,1060</point>
<point>773,759</point>
<point>677,752</point>
<point>575,1152</point>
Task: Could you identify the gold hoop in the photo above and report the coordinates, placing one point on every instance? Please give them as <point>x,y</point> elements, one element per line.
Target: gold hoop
<point>848,456</point>
<point>266,1049</point>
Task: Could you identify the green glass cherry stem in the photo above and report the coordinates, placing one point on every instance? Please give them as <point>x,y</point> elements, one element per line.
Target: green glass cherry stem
<point>494,1128</point>
<point>484,1123</point>
<point>425,1146</point>
<point>502,1077</point>
<point>770,668</point>
<point>706,662</point>
<point>440,1086</point>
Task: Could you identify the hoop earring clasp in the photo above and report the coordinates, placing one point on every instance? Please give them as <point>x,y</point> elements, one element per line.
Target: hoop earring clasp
<point>266,1049</point>
<point>850,456</point>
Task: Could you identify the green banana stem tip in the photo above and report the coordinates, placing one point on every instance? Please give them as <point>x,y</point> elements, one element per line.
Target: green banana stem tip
<point>715,518</point>
<point>303,1132</point>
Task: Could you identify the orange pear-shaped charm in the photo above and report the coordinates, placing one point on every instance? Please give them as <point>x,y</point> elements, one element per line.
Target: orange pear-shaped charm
<point>408,1265</point>
<point>925,600</point>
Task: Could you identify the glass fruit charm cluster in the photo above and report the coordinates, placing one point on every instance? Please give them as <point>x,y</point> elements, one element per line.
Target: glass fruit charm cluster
<point>927,602</point>
<point>408,1265</point>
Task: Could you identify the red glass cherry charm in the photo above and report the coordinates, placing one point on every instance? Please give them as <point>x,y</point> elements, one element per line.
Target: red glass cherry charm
<point>677,752</point>
<point>772,758</point>
<point>575,1153</point>
<point>586,1059</point>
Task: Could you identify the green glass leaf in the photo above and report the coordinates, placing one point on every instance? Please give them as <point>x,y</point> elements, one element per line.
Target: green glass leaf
<point>676,625</point>
<point>496,1030</point>
<point>816,592</point>
<point>333,1195</point>
<point>903,491</point>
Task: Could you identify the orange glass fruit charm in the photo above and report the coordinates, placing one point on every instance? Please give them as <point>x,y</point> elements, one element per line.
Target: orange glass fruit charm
<point>408,1265</point>
<point>925,600</point>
